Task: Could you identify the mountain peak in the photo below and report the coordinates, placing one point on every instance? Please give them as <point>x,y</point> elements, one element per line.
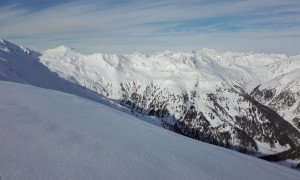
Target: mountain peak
<point>4,43</point>
<point>1,41</point>
<point>62,48</point>
<point>7,46</point>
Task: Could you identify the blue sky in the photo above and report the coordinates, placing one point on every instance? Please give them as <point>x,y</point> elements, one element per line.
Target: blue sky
<point>125,26</point>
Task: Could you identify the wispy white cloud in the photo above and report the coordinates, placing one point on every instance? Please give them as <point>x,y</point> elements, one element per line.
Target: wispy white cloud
<point>126,26</point>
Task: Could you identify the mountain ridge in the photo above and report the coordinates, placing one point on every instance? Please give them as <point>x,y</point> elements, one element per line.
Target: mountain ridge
<point>206,95</point>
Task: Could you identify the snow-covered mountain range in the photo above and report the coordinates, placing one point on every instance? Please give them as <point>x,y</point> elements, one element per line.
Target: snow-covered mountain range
<point>243,101</point>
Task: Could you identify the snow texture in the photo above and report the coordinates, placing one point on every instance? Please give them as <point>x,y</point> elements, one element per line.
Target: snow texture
<point>46,134</point>
<point>167,73</point>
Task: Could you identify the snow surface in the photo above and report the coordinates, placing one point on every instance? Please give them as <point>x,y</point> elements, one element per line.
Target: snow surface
<point>46,134</point>
<point>177,73</point>
<point>285,83</point>
<point>170,73</point>
<point>174,73</point>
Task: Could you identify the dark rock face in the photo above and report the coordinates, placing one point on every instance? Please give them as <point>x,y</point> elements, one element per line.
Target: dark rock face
<point>281,102</point>
<point>296,121</point>
<point>293,153</point>
<point>267,94</point>
<point>283,130</point>
<point>235,124</point>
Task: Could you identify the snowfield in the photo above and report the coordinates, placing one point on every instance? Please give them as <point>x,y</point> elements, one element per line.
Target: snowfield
<point>46,134</point>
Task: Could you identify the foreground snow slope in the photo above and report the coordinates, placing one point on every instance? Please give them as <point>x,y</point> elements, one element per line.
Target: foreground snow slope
<point>45,134</point>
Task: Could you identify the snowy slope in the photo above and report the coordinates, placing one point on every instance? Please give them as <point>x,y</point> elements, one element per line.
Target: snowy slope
<point>19,64</point>
<point>283,95</point>
<point>174,73</point>
<point>46,134</point>
<point>177,72</point>
<point>174,82</point>
<point>203,95</point>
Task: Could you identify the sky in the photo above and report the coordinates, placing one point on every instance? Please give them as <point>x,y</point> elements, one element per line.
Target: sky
<point>126,26</point>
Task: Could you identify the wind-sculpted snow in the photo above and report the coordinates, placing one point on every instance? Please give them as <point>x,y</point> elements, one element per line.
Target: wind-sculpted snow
<point>46,134</point>
<point>203,95</point>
